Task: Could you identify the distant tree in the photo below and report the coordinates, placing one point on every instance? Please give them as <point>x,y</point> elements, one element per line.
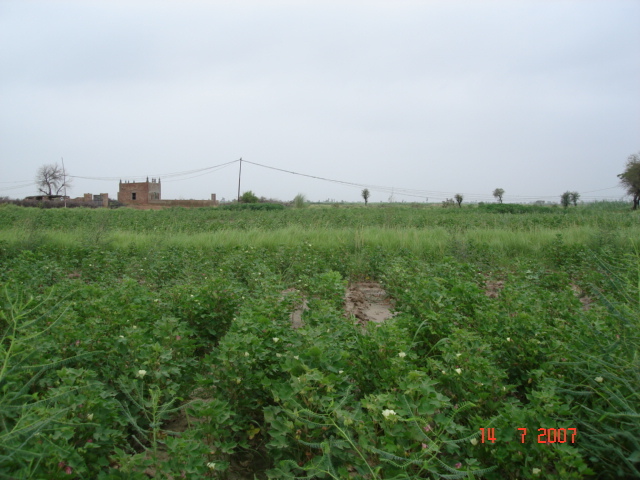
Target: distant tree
<point>630,178</point>
<point>300,201</point>
<point>459,199</point>
<point>498,193</point>
<point>565,199</point>
<point>366,195</point>
<point>574,197</point>
<point>249,197</point>
<point>51,179</point>
<point>449,202</point>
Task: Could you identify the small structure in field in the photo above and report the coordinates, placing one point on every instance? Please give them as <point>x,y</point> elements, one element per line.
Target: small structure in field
<point>46,198</point>
<point>139,193</point>
<point>87,200</point>
<point>150,193</point>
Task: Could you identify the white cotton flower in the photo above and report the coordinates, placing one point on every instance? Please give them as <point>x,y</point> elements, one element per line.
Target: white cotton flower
<point>508,339</point>
<point>387,413</point>
<point>458,371</point>
<point>278,355</point>
<point>141,373</point>
<point>458,354</point>
<point>474,441</point>
<point>599,379</point>
<point>275,339</point>
<point>211,466</point>
<point>296,357</point>
<point>402,354</point>
<point>90,417</point>
<point>246,354</point>
<point>340,372</point>
<point>536,471</point>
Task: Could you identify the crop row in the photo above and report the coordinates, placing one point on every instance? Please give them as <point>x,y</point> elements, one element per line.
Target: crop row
<point>106,350</point>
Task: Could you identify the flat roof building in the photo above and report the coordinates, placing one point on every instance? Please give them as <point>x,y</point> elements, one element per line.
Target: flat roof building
<point>139,193</point>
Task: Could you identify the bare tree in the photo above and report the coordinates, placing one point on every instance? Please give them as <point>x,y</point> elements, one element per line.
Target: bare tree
<point>459,198</point>
<point>51,179</point>
<point>498,193</point>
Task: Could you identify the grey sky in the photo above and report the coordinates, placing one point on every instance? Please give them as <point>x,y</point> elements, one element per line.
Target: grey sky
<point>535,97</point>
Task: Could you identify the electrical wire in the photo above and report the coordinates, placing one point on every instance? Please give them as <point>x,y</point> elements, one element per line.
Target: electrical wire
<point>392,191</point>
<point>416,193</point>
<point>18,187</point>
<point>162,175</point>
<point>213,169</point>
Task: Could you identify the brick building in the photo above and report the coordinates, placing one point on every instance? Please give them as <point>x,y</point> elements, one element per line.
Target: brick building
<point>139,193</point>
<point>149,193</point>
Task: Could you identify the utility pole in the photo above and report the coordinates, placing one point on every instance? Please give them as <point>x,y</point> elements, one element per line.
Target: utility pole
<point>239,175</point>
<point>64,180</point>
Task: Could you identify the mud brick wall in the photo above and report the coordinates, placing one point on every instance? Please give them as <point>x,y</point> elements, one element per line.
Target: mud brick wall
<point>144,192</point>
<point>184,203</point>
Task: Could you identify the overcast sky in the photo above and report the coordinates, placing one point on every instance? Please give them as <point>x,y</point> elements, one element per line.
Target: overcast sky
<point>431,98</point>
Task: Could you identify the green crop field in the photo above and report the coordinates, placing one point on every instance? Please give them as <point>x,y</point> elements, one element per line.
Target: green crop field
<point>162,344</point>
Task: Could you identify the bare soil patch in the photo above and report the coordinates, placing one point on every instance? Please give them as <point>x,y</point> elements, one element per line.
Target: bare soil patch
<point>492,288</point>
<point>368,302</point>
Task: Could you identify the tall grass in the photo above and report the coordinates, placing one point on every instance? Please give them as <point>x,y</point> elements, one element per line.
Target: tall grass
<point>178,220</point>
<point>422,231</point>
<point>606,371</point>
<point>420,241</point>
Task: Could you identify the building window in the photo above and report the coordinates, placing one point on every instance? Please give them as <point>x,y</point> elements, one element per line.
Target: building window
<point>133,195</point>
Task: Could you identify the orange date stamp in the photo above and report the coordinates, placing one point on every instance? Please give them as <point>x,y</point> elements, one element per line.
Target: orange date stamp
<point>545,435</point>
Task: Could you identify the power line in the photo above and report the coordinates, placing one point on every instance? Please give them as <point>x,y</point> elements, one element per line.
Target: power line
<point>405,192</point>
<point>416,193</point>
<point>171,176</point>
<point>18,187</point>
<point>211,170</point>
<point>160,175</point>
<point>601,189</point>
